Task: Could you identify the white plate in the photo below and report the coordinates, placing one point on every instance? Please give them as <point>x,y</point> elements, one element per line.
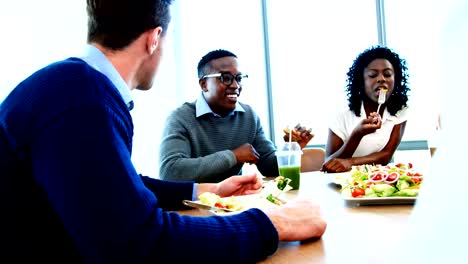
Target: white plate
<point>341,178</point>
<point>379,200</point>
<point>247,202</point>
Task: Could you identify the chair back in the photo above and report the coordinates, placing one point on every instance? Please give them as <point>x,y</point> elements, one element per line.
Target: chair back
<point>312,159</point>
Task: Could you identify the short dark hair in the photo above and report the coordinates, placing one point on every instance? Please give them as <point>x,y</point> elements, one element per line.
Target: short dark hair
<point>355,80</point>
<point>203,65</point>
<point>117,23</point>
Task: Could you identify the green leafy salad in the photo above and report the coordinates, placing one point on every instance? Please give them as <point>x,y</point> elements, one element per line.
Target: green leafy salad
<point>273,189</point>
<point>268,197</point>
<point>368,181</point>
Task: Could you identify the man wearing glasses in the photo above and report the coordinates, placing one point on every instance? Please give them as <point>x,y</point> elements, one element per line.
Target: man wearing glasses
<point>210,139</point>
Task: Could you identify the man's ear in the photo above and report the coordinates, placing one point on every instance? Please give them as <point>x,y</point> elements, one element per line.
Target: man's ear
<point>153,40</point>
<point>202,83</point>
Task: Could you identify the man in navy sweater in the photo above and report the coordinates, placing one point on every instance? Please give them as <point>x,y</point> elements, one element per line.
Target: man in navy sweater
<point>68,190</point>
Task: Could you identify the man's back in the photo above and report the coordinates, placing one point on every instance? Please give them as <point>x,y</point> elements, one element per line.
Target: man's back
<point>30,227</point>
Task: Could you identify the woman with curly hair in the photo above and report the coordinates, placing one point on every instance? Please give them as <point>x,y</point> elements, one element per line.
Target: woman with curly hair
<point>361,135</point>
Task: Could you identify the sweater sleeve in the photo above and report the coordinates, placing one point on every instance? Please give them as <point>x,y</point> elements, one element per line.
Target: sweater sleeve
<point>113,217</point>
<point>170,194</point>
<point>176,161</point>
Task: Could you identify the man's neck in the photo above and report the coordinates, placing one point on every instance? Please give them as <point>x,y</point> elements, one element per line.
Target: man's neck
<point>125,61</point>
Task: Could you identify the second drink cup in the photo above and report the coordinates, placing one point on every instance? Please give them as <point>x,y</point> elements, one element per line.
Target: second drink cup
<point>289,162</point>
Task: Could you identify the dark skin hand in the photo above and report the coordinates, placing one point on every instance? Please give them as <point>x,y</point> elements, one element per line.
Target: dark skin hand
<point>337,165</point>
<point>299,134</point>
<point>301,138</point>
<point>341,160</point>
<point>246,153</point>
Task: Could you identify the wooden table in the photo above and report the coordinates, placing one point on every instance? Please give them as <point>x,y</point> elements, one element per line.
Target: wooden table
<point>355,234</point>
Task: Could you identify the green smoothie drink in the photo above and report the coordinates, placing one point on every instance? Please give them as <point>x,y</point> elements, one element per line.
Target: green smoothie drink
<point>293,173</point>
<point>289,162</point>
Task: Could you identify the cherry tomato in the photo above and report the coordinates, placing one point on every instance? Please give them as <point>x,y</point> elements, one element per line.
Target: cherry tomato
<point>356,192</point>
<point>220,205</point>
<point>416,180</point>
<point>410,165</point>
<point>392,176</point>
<point>377,176</point>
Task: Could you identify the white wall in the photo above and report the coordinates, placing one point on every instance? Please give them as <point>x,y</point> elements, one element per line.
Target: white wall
<point>35,33</point>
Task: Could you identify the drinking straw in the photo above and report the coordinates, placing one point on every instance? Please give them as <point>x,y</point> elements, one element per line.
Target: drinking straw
<point>290,146</point>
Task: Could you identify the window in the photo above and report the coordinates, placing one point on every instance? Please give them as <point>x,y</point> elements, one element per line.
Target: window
<point>418,40</point>
<point>312,46</point>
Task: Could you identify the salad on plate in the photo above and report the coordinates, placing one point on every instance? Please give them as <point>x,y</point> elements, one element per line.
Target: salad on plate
<point>371,181</point>
<point>267,198</point>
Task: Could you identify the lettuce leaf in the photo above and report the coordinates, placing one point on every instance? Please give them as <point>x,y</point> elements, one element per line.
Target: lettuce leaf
<point>383,189</point>
<point>409,192</point>
<point>402,184</point>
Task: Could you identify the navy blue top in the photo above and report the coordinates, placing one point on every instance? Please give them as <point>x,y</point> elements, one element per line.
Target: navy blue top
<point>69,191</point>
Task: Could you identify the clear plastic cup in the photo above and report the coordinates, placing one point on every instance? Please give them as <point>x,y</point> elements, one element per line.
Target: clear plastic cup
<point>288,156</point>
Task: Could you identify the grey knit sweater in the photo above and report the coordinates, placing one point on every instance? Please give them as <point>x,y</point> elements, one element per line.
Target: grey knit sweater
<point>199,149</point>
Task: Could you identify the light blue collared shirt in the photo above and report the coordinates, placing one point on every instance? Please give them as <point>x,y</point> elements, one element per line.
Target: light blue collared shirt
<point>96,59</point>
<point>202,108</point>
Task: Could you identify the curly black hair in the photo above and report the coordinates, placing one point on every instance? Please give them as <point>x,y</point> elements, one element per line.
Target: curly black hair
<point>355,80</point>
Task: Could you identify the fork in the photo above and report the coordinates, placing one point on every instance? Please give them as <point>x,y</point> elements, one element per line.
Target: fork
<point>381,99</point>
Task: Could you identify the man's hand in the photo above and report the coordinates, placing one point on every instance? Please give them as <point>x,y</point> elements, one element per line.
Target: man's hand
<point>306,136</point>
<point>299,134</point>
<point>239,185</point>
<point>246,153</point>
<point>297,220</point>
<point>234,185</point>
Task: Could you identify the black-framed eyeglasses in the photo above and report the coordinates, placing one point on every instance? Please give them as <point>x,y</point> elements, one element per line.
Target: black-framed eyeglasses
<point>227,78</point>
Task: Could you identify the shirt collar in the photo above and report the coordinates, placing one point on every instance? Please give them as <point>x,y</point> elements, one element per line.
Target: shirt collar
<point>202,107</point>
<point>96,59</point>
